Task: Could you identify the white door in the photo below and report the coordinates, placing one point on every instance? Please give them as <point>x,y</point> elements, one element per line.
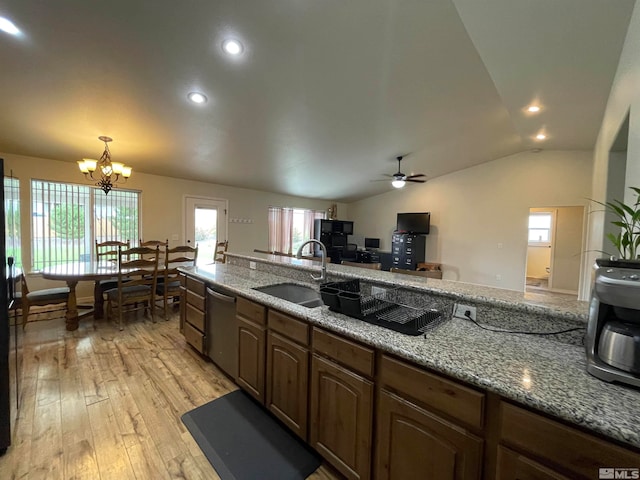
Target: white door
<point>205,225</point>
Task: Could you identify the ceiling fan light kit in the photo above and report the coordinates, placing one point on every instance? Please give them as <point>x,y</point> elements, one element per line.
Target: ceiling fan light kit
<point>400,179</point>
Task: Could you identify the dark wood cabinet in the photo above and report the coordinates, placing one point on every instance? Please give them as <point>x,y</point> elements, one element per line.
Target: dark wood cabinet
<point>413,443</point>
<point>251,347</point>
<point>513,466</point>
<point>546,448</point>
<point>288,382</point>
<point>341,410</point>
<point>288,371</point>
<point>193,313</point>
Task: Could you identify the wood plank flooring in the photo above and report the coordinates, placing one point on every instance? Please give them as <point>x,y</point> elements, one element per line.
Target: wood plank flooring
<point>98,403</point>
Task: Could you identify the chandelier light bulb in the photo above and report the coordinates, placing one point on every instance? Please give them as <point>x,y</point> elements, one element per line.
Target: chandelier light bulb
<point>398,183</point>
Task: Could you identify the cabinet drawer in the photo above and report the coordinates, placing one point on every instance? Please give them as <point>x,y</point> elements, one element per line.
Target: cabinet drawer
<point>194,337</point>
<point>196,286</point>
<point>251,310</point>
<point>195,317</point>
<point>560,445</point>
<point>462,403</point>
<point>195,300</point>
<point>289,327</point>
<point>183,279</point>
<point>350,354</point>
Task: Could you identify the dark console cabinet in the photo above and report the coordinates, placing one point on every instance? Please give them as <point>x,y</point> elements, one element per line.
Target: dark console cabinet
<point>333,234</point>
<point>407,250</point>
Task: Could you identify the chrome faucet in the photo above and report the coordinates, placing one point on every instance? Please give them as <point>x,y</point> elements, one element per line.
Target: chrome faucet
<point>323,272</point>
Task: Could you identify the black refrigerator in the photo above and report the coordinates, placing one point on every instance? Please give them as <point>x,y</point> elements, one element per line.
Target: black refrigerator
<point>5,380</point>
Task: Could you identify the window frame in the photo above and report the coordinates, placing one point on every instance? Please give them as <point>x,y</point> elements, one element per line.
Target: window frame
<point>87,195</point>
<point>549,240</point>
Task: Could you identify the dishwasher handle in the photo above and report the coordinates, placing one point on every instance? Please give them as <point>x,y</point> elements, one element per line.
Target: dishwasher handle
<point>221,296</point>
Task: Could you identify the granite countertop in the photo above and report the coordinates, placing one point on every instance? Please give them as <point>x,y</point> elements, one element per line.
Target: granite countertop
<point>563,307</point>
<point>534,371</point>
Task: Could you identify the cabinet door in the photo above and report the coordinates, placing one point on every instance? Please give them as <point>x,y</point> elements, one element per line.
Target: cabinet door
<point>287,382</point>
<point>513,466</point>
<point>413,443</point>
<point>251,353</point>
<point>341,417</point>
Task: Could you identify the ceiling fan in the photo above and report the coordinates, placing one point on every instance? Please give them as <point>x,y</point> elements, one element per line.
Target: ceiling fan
<point>399,178</point>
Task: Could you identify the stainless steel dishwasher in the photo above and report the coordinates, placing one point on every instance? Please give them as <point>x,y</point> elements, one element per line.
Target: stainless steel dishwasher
<point>222,334</point>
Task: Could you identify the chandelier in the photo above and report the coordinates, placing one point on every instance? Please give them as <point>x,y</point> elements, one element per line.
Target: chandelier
<point>110,172</point>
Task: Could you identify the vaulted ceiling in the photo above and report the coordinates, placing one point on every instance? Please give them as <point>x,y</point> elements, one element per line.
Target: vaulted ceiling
<point>324,95</point>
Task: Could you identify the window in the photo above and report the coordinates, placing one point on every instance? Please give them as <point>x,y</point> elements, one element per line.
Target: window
<point>68,219</point>
<point>291,227</point>
<point>540,228</point>
<point>12,219</point>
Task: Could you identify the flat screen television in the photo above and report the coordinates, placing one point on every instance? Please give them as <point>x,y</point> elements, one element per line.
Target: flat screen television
<point>414,223</point>
<point>371,243</point>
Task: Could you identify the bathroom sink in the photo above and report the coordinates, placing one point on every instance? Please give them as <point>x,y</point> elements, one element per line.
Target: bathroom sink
<point>294,293</point>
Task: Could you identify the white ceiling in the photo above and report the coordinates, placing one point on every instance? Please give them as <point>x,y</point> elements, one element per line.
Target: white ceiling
<point>325,95</point>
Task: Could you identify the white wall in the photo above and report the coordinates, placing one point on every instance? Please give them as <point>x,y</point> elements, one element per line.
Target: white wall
<point>477,210</point>
<point>162,204</point>
<point>624,98</point>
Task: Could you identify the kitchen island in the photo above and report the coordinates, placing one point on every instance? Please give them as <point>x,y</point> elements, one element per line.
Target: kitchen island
<point>541,374</point>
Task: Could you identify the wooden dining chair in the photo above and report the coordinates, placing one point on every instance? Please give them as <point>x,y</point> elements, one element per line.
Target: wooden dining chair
<point>106,252</point>
<point>170,287</point>
<point>136,282</point>
<point>48,296</point>
<point>163,244</point>
<point>220,254</point>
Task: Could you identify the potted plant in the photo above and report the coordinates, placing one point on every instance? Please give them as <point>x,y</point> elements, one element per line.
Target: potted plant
<point>627,241</point>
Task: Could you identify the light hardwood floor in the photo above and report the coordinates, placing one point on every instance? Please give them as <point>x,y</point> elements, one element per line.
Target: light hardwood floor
<point>98,403</point>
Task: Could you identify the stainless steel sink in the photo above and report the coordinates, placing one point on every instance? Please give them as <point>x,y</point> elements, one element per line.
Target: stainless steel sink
<point>294,293</point>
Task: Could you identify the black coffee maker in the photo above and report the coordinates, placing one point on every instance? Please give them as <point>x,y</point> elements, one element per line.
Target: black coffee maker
<point>613,331</point>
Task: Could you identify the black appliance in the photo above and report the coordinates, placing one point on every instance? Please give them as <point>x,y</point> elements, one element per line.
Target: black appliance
<point>5,382</point>
<point>417,223</point>
<point>333,234</point>
<point>371,243</point>
<point>407,250</point>
<point>613,331</point>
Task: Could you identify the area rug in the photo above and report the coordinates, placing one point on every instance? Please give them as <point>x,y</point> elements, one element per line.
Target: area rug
<point>244,442</point>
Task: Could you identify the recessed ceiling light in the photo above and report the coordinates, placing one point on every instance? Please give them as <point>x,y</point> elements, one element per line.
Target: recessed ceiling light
<point>7,26</point>
<point>541,136</point>
<point>232,47</point>
<point>533,108</point>
<point>197,97</point>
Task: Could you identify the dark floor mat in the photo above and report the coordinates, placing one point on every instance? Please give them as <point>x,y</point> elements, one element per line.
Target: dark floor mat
<point>244,442</point>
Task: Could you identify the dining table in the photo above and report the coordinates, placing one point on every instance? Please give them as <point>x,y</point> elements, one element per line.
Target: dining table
<point>75,272</point>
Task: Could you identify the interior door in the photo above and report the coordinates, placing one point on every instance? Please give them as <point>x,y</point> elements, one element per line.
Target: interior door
<point>205,225</point>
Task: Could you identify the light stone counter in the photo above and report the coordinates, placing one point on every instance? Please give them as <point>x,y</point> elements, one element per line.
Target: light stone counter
<point>540,373</point>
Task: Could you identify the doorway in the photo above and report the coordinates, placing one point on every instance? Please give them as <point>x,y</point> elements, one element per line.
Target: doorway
<point>554,252</point>
<point>205,225</point>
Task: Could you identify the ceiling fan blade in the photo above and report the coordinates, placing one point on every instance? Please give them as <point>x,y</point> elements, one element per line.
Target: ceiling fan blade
<point>414,180</point>
<point>416,176</point>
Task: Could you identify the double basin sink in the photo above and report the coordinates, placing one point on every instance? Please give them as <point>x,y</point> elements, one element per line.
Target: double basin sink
<point>294,293</point>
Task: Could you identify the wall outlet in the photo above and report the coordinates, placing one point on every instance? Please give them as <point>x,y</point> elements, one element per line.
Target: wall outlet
<point>252,265</point>
<point>460,310</point>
